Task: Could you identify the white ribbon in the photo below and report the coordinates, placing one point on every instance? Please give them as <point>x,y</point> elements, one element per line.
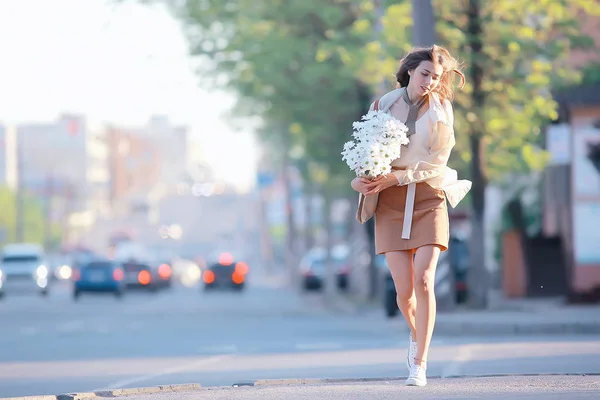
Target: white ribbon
<point>408,210</point>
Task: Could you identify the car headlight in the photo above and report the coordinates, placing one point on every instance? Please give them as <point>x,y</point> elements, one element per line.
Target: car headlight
<point>41,272</point>
<point>65,272</point>
<point>0,274</point>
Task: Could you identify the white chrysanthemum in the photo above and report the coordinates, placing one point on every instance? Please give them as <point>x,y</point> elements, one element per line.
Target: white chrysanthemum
<point>377,141</point>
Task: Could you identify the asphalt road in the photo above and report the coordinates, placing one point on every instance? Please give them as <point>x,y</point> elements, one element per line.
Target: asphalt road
<point>54,345</point>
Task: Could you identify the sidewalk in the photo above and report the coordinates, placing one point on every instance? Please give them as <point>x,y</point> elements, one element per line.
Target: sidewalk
<point>546,387</point>
<point>503,317</point>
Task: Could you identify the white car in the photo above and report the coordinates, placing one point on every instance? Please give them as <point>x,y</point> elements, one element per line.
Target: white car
<point>23,269</point>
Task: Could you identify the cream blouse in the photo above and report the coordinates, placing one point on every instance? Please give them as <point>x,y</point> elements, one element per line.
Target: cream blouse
<point>426,156</point>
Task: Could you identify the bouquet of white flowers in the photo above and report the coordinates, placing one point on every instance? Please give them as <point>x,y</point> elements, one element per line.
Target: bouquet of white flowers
<point>377,140</point>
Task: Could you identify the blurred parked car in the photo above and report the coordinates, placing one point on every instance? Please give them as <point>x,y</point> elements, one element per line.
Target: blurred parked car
<point>313,267</point>
<point>99,276</point>
<point>226,273</point>
<point>389,290</point>
<point>459,262</point>
<point>23,269</point>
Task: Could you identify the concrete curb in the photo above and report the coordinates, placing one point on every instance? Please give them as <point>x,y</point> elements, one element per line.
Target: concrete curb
<point>316,381</point>
<point>489,328</point>
<point>113,393</point>
<point>258,383</point>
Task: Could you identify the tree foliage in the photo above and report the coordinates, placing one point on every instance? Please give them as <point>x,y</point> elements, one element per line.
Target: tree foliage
<point>309,68</point>
<point>285,62</point>
<point>33,224</point>
<point>525,51</point>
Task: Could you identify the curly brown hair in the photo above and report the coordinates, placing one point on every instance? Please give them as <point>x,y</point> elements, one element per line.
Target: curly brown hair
<point>437,55</point>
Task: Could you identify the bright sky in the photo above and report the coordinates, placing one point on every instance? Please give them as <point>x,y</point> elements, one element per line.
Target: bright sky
<point>112,63</point>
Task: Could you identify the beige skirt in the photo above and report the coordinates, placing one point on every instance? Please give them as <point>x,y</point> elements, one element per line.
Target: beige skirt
<point>430,225</point>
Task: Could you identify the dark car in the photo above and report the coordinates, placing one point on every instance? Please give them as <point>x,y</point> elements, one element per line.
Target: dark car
<point>164,274</point>
<point>99,276</point>
<point>141,275</point>
<point>226,273</point>
<point>459,262</point>
<point>313,267</point>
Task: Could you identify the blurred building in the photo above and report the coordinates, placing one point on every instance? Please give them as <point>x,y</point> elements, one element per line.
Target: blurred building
<point>172,143</point>
<point>572,187</point>
<point>7,155</point>
<point>564,260</point>
<point>64,164</point>
<point>135,166</point>
<point>98,173</point>
<point>571,195</point>
<point>52,159</point>
<point>589,26</point>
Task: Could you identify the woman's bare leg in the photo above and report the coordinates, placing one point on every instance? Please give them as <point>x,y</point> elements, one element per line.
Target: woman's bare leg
<point>401,268</point>
<point>425,262</point>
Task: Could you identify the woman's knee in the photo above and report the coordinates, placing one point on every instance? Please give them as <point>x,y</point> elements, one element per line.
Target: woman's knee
<point>404,292</point>
<point>424,281</point>
<point>426,259</point>
<point>401,268</point>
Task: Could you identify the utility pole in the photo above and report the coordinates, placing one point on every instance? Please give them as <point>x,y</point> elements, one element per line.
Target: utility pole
<point>423,29</point>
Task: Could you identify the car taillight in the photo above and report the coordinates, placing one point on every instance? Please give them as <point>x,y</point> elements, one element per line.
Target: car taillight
<point>237,278</point>
<point>164,271</point>
<point>118,275</point>
<point>241,268</point>
<point>144,277</point>
<point>208,277</point>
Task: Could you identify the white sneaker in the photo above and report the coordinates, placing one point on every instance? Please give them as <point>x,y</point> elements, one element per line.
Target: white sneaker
<point>417,376</point>
<point>412,353</point>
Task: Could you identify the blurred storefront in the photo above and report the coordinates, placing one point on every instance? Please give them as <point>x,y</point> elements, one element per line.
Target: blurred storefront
<point>134,165</point>
<point>572,188</point>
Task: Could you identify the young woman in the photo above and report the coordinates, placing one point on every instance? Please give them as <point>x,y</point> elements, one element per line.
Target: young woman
<point>411,225</point>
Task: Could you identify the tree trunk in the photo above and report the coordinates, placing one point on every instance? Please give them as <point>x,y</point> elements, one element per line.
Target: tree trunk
<point>373,275</point>
<point>478,281</point>
<point>477,278</point>
<point>290,258</point>
<point>331,291</point>
<point>423,29</point>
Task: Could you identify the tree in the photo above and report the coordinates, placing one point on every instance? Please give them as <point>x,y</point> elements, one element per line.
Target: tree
<point>423,23</point>
<point>34,219</point>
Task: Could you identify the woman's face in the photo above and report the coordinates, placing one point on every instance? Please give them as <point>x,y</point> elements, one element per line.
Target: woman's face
<point>425,78</point>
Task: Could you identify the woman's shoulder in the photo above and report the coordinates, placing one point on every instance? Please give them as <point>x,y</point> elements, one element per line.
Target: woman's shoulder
<point>388,99</point>
<point>442,109</point>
